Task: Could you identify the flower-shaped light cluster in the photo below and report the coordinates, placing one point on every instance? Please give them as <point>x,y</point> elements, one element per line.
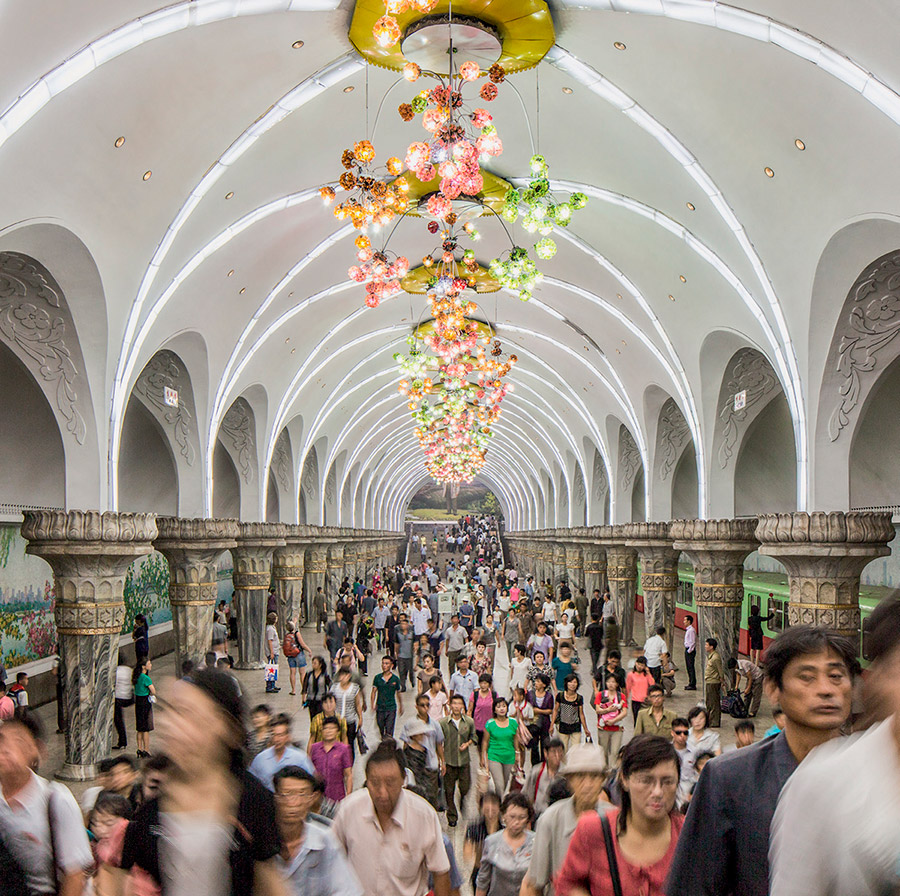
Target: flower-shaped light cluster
<point>517,272</point>
<point>542,210</point>
<point>378,271</point>
<point>372,199</point>
<point>460,137</point>
<point>386,31</point>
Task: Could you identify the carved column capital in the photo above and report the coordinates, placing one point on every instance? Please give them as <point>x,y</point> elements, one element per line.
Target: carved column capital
<point>825,554</point>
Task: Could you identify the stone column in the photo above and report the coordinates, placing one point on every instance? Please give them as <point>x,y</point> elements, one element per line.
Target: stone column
<point>559,564</point>
<point>574,568</point>
<point>191,547</point>
<point>314,575</point>
<point>287,576</point>
<point>334,568</point>
<point>717,549</point>
<point>594,557</point>
<point>359,553</point>
<point>659,575</point>
<point>824,554</point>
<point>252,576</point>
<point>621,563</point>
<point>89,554</point>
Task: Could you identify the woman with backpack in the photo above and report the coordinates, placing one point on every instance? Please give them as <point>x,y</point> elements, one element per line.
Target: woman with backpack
<point>296,651</point>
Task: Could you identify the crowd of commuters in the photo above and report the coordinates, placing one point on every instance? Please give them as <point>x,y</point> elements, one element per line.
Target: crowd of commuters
<point>555,796</point>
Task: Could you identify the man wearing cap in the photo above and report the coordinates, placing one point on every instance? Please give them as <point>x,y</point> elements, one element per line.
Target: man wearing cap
<point>836,826</point>
<point>584,770</point>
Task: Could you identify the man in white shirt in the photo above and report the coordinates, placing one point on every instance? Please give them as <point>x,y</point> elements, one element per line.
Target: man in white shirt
<point>548,611</point>
<point>690,653</point>
<point>654,648</point>
<point>391,836</point>
<point>40,822</point>
<point>419,617</point>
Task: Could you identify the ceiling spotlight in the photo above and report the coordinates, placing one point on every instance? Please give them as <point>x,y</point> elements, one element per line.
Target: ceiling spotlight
<point>230,273</point>
<point>229,195</point>
<point>619,45</point>
<point>671,297</point>
<point>691,206</point>
<point>568,91</point>
<point>618,295</point>
<point>799,144</point>
<point>682,278</point>
<point>769,172</point>
<point>147,175</point>
<point>293,350</point>
<point>297,44</point>
<point>243,290</point>
<point>349,88</point>
<point>120,142</point>
<point>287,339</point>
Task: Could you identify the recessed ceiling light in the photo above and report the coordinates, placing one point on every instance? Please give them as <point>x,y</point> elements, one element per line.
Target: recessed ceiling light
<point>619,45</point>
<point>682,278</point>
<point>120,142</point>
<point>287,339</point>
<point>349,88</point>
<point>243,290</point>
<point>290,294</point>
<point>147,175</point>
<point>769,172</point>
<point>618,295</point>
<point>671,297</point>
<point>568,90</point>
<point>229,194</point>
<point>230,273</point>
<point>799,144</point>
<point>293,350</point>
<point>297,44</point>
<point>618,351</point>
<point>624,342</point>
<point>691,206</point>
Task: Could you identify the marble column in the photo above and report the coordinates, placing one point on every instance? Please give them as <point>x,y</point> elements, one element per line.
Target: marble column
<point>89,554</point>
<point>314,568</point>
<point>252,576</point>
<point>659,575</point>
<point>824,554</point>
<point>287,576</point>
<point>559,564</point>
<point>574,568</point>
<point>594,557</point>
<point>717,550</point>
<point>191,547</point>
<point>334,568</point>
<point>621,563</point>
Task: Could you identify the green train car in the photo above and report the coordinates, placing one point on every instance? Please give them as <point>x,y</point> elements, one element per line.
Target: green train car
<point>767,590</point>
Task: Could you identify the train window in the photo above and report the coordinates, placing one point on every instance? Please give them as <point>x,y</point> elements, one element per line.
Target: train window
<point>779,612</point>
<point>685,593</point>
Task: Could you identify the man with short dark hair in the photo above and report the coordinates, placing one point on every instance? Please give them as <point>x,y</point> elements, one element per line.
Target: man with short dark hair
<point>655,718</point>
<point>391,836</point>
<point>712,679</point>
<point>690,652</point>
<point>752,693</point>
<point>459,735</point>
<point>723,847</point>
<point>310,861</point>
<point>280,754</point>
<point>835,829</point>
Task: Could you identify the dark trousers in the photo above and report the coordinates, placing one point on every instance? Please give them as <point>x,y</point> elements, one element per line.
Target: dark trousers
<point>656,672</point>
<point>456,776</point>
<point>689,657</point>
<point>714,704</point>
<point>595,657</point>
<point>537,743</point>
<point>386,719</point>
<point>452,657</point>
<point>636,707</point>
<point>405,670</point>
<point>351,740</point>
<point>119,721</point>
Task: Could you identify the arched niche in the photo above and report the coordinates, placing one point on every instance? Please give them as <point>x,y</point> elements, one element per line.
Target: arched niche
<point>32,458</point>
<point>309,488</point>
<point>39,327</point>
<point>281,477</point>
<point>673,443</point>
<point>685,487</point>
<point>148,476</point>
<point>747,386</point>
<point>165,379</point>
<point>765,473</point>
<point>226,485</point>
<point>858,349</point>
<point>273,501</point>
<point>874,458</point>
<point>237,436</point>
<point>599,484</point>
<point>629,469</point>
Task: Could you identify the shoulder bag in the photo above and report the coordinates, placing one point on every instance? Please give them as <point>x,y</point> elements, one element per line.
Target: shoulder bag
<point>611,856</point>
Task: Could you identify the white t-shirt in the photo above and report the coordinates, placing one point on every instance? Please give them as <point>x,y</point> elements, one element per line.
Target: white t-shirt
<point>654,649</point>
<point>565,631</point>
<point>549,611</point>
<point>272,636</point>
<point>518,673</point>
<point>124,687</point>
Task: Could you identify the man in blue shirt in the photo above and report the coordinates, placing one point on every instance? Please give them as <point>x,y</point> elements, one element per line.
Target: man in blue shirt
<point>463,681</point>
<point>280,755</point>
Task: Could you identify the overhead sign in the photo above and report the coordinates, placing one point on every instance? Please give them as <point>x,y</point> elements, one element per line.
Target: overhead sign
<point>445,602</point>
<point>170,396</point>
<point>740,400</point>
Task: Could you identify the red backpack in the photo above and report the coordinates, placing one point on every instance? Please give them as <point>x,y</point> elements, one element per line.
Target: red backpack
<point>290,645</point>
